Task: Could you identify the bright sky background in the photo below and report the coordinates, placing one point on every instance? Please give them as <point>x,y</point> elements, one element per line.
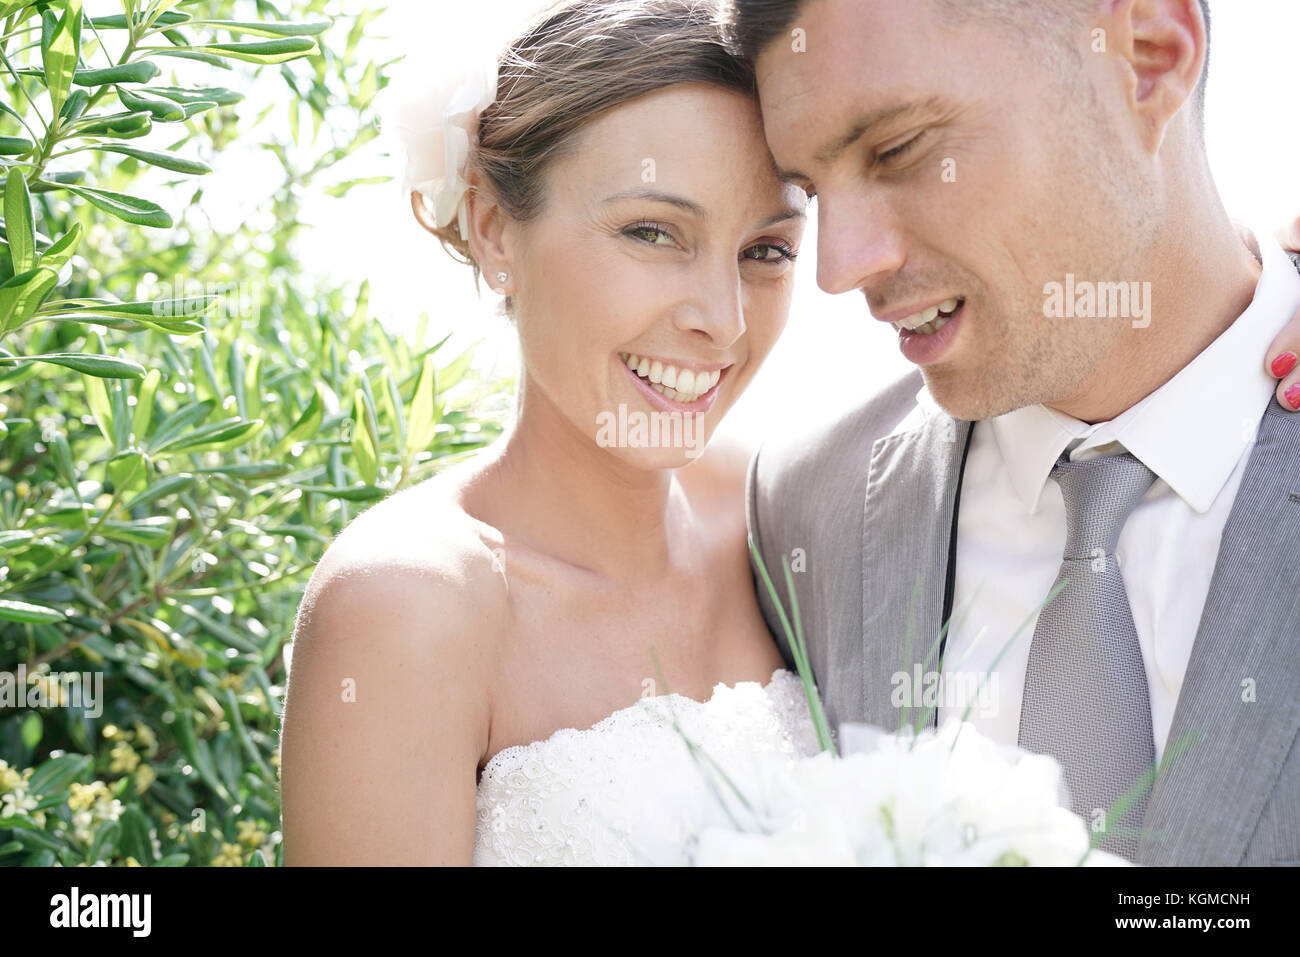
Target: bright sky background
<point>831,348</point>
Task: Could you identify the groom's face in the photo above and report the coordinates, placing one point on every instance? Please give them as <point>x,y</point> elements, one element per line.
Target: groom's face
<point>967,163</point>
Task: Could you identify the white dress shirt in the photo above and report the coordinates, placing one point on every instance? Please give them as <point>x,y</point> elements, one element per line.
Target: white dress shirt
<point>1195,433</point>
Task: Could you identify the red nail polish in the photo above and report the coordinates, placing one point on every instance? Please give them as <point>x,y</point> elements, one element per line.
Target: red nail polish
<point>1283,364</point>
<point>1293,396</point>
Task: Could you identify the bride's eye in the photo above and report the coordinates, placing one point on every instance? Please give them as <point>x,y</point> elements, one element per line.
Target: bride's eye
<point>648,233</point>
<point>765,250</point>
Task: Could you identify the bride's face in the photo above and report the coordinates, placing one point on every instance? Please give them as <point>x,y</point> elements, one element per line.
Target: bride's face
<point>666,241</point>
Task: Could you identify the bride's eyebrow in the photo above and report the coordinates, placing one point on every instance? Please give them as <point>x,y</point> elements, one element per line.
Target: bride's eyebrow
<point>656,196</point>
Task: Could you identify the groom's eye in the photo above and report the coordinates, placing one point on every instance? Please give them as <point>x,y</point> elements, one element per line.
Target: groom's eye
<point>901,150</point>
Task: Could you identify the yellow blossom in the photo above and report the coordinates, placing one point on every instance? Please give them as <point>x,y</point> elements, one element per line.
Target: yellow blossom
<point>250,834</point>
<point>124,758</point>
<point>84,796</point>
<point>145,736</point>
<point>9,778</point>
<point>230,856</point>
<point>23,489</point>
<point>132,862</point>
<point>144,777</point>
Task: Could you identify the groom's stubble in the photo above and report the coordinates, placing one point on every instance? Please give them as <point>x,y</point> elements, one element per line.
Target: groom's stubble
<point>1060,188</point>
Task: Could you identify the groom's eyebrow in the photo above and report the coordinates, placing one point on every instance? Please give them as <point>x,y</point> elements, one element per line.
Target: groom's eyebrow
<point>657,196</point>
<point>863,126</point>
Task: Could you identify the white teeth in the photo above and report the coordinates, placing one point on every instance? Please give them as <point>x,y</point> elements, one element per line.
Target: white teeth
<point>931,320</point>
<point>678,385</point>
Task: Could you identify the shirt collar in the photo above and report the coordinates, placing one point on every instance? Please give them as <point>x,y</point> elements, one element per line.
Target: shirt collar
<point>1193,430</point>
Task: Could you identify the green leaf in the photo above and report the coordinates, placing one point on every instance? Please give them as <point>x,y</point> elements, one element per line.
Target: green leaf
<point>263,51</point>
<point>365,437</point>
<point>151,532</point>
<point>144,405</point>
<point>135,841</point>
<point>15,146</point>
<point>282,28</point>
<point>118,21</point>
<point>77,103</point>
<point>28,613</point>
<point>31,731</point>
<point>60,54</point>
<point>218,437</point>
<point>353,493</point>
<point>209,94</point>
<point>128,471</point>
<point>61,251</point>
<point>122,125</point>
<point>142,71</point>
<point>18,222</point>
<point>307,424</point>
<point>422,420</point>
<point>130,209</point>
<point>176,164</point>
<point>54,776</point>
<point>164,111</point>
<point>207,58</point>
<point>105,367</point>
<point>22,295</point>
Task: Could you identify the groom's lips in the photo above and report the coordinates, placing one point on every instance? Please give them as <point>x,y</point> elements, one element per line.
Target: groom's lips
<point>919,348</point>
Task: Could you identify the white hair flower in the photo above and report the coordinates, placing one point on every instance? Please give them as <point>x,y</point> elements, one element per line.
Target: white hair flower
<point>435,127</point>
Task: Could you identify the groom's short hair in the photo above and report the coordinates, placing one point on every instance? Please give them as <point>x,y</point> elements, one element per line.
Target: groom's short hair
<point>754,24</point>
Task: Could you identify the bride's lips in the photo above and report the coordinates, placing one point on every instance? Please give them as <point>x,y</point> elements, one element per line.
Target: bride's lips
<point>664,404</point>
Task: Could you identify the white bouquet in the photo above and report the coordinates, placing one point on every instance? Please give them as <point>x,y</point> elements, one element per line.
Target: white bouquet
<point>948,797</point>
<point>945,797</point>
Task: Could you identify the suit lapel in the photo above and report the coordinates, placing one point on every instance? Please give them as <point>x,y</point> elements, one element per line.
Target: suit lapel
<point>906,532</point>
<point>1238,711</point>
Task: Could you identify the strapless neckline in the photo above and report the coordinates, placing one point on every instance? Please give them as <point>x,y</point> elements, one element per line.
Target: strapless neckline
<point>628,790</point>
<point>515,751</point>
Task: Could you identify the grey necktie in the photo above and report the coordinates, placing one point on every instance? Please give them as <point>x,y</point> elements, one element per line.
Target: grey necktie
<point>1086,701</point>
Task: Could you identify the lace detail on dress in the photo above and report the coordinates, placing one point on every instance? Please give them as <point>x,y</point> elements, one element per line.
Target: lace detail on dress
<point>628,790</point>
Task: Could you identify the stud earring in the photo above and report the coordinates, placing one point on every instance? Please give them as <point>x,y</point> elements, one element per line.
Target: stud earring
<point>502,277</point>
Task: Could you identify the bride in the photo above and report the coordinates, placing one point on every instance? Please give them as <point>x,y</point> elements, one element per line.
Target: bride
<point>488,666</point>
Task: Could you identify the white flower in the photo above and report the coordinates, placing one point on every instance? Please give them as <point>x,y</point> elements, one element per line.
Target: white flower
<point>434,126</point>
<point>947,797</point>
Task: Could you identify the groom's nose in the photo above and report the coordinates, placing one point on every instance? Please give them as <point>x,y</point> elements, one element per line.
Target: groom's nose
<point>859,242</point>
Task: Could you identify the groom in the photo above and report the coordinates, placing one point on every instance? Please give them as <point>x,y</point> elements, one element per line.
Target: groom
<point>1087,473</point>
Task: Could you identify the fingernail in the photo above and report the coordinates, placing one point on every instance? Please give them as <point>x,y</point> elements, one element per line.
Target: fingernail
<point>1293,397</point>
<point>1283,364</point>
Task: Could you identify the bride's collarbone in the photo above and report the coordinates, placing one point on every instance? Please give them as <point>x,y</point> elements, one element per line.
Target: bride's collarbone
<point>578,650</point>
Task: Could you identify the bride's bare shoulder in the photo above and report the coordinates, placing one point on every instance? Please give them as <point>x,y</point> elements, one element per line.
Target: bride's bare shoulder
<point>417,554</point>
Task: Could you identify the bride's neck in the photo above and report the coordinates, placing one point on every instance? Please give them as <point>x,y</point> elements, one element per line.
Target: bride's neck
<point>552,488</point>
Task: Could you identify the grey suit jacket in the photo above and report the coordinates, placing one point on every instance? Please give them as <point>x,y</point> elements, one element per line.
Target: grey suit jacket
<point>864,509</point>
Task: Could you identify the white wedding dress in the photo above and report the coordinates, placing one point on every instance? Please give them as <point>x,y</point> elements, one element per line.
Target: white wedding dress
<point>628,790</point>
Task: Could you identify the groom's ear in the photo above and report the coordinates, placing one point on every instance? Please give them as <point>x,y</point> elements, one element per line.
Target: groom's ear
<point>1162,45</point>
<point>491,231</point>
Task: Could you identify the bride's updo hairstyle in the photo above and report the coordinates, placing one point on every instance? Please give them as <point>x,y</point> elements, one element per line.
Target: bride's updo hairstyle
<point>581,58</point>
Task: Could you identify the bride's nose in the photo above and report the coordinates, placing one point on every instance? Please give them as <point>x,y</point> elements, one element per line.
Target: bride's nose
<point>714,305</point>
